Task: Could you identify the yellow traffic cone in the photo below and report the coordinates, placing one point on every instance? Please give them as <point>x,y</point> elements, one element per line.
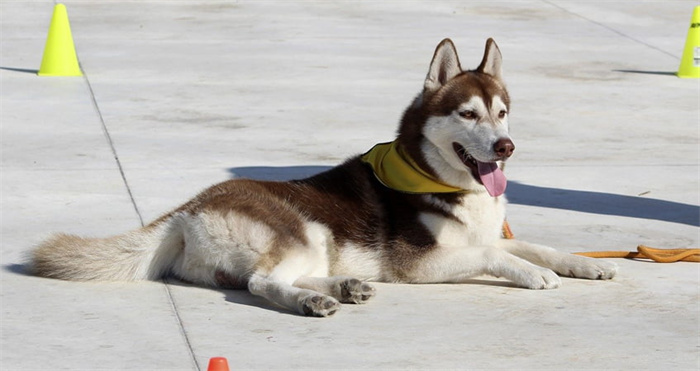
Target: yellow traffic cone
<point>59,53</point>
<point>690,62</point>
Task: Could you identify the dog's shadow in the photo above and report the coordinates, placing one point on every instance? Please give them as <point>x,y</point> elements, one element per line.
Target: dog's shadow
<point>240,296</point>
<point>524,194</point>
<point>19,269</point>
<point>235,296</point>
<point>277,173</point>
<point>603,203</point>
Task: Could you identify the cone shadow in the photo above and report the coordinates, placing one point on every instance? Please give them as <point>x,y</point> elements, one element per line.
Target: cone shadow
<point>662,73</point>
<point>23,70</point>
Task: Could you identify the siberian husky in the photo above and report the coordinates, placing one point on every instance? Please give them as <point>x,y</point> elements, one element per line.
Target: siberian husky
<point>425,208</point>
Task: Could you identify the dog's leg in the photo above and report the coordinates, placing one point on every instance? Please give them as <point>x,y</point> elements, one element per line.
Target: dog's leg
<point>345,289</point>
<point>459,264</point>
<point>565,264</point>
<point>304,301</point>
<point>294,261</point>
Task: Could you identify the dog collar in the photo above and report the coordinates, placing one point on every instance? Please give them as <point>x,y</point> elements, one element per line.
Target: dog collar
<point>395,169</point>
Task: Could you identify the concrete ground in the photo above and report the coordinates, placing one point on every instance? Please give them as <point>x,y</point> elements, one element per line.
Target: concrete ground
<point>178,95</point>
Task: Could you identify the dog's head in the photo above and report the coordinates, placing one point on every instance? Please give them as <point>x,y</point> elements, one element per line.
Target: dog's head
<point>457,128</point>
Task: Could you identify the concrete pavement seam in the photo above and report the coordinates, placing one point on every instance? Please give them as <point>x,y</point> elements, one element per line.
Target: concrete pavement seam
<point>171,300</point>
<point>181,325</point>
<point>112,148</point>
<point>611,29</point>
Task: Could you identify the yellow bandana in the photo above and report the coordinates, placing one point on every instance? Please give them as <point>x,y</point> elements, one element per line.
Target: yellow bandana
<point>396,169</point>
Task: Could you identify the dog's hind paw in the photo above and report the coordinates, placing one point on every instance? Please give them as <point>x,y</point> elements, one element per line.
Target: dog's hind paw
<point>355,291</point>
<point>319,306</point>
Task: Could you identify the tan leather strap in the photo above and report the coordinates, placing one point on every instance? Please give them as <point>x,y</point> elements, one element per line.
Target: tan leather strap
<point>507,233</point>
<point>643,252</point>
<point>651,253</point>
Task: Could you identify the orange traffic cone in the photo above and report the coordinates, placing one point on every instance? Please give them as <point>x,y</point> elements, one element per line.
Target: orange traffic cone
<point>218,364</point>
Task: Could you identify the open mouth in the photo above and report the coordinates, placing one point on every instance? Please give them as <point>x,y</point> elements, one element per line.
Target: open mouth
<point>486,173</point>
<point>468,160</point>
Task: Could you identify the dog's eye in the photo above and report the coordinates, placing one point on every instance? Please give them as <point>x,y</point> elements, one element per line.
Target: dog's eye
<point>468,114</point>
<point>502,114</point>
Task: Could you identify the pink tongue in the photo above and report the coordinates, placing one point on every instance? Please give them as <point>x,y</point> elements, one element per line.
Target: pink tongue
<point>492,177</point>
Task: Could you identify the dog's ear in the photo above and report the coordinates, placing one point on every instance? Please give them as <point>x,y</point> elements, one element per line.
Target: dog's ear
<point>445,66</point>
<point>491,63</point>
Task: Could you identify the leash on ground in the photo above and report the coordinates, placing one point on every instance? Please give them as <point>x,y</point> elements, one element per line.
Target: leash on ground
<point>643,252</point>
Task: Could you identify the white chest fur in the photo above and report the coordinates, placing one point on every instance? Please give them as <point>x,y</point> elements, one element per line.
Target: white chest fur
<point>479,221</point>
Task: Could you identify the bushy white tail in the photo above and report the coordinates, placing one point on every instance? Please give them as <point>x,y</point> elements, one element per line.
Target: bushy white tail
<point>146,253</point>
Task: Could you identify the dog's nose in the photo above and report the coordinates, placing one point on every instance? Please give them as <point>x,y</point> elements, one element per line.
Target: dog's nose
<point>504,147</point>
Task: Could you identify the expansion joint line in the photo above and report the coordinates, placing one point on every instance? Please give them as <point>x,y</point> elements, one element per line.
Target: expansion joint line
<point>168,292</point>
<point>619,33</point>
<point>112,148</point>
<point>181,326</point>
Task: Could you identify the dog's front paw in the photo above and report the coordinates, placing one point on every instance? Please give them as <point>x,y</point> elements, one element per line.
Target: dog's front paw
<point>319,306</point>
<point>589,268</point>
<point>537,278</point>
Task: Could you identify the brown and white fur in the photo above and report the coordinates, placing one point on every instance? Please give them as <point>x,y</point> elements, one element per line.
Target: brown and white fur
<point>309,245</point>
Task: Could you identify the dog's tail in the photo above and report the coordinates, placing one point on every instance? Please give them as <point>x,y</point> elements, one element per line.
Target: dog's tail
<point>142,254</point>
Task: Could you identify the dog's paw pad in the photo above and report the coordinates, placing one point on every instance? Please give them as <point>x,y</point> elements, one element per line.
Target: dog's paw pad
<point>355,291</point>
<point>319,306</point>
